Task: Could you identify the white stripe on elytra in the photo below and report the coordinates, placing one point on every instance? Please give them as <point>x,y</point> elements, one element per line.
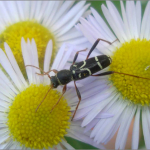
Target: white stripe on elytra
<point>98,63</point>
<point>87,70</point>
<point>109,59</point>
<point>84,63</point>
<point>79,75</point>
<point>58,80</point>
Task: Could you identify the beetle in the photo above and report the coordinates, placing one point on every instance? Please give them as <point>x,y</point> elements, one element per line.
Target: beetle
<point>79,71</point>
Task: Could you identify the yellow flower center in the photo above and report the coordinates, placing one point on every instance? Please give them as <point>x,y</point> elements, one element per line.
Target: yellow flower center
<point>132,58</point>
<point>27,29</point>
<point>41,129</point>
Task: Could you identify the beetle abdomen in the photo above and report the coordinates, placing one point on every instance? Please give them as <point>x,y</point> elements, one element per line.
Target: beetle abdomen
<point>90,66</point>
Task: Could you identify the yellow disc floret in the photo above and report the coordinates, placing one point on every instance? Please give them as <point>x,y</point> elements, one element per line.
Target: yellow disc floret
<point>41,129</point>
<point>27,29</point>
<point>132,58</point>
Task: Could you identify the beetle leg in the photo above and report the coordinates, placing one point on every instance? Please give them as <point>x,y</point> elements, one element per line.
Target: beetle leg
<point>76,55</point>
<point>96,43</point>
<point>63,92</point>
<point>79,96</point>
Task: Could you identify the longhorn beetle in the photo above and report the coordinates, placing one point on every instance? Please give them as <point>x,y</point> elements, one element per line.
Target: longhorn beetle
<point>80,70</point>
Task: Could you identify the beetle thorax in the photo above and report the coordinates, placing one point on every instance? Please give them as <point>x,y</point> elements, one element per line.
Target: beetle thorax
<point>63,77</point>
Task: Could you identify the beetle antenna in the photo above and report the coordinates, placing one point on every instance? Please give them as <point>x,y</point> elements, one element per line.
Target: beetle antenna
<point>112,72</point>
<point>34,67</point>
<point>43,98</point>
<point>131,75</point>
<point>63,92</point>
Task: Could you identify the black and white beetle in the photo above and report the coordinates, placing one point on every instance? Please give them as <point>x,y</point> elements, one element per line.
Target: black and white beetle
<point>80,70</point>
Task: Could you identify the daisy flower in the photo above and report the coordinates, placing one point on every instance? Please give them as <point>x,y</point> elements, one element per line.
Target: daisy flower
<point>20,125</point>
<point>126,97</point>
<point>41,20</point>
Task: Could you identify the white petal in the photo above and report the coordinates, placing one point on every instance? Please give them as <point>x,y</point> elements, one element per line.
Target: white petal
<point>9,144</point>
<point>102,32</point>
<point>136,130</point>
<point>113,24</point>
<point>20,10</point>
<point>100,133</point>
<point>144,20</point>
<point>104,115</point>
<point>77,134</point>
<point>77,41</point>
<point>131,15</point>
<point>48,11</point>
<point>125,20</point>
<point>55,9</point>
<point>72,22</point>
<point>47,60</point>
<point>3,138</point>
<point>38,10</point>
<point>41,12</point>
<point>86,14</point>
<point>92,40</point>
<point>96,99</point>
<point>5,13</point>
<point>32,6</point>
<point>112,131</point>
<point>71,13</point>
<point>14,63</point>
<point>125,134</point>
<point>58,57</point>
<point>27,60</point>
<point>12,9</point>
<point>83,112</point>
<point>26,8</point>
<point>117,18</point>
<point>7,66</point>
<point>8,82</point>
<point>48,54</point>
<point>3,125</point>
<point>71,84</point>
<point>4,104</point>
<point>95,33</point>
<point>4,131</point>
<point>146,131</point>
<point>6,91</point>
<point>91,125</point>
<point>138,16</point>
<point>68,146</point>
<point>71,34</point>
<point>35,61</point>
<point>125,117</point>
<point>64,8</point>
<point>95,111</point>
<point>65,58</point>
<point>102,24</point>
<point>3,109</point>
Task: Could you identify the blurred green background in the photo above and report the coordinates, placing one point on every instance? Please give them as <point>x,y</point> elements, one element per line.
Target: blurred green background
<point>97,5</point>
